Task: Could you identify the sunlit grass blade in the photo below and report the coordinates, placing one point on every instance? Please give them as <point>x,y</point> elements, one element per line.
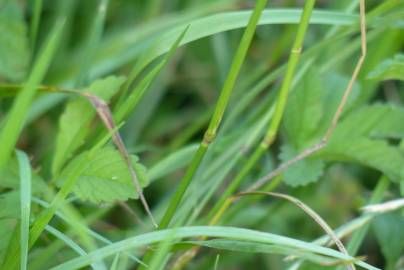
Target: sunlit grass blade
<point>15,119</point>
<point>208,231</point>
<point>218,113</point>
<point>200,28</point>
<point>25,204</point>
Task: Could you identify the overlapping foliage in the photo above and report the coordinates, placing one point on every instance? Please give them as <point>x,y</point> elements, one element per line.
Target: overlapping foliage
<point>68,199</point>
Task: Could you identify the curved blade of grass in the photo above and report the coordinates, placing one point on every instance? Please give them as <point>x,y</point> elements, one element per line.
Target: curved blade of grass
<point>69,242</point>
<point>134,97</point>
<point>207,231</point>
<point>25,204</point>
<point>121,50</point>
<point>251,247</point>
<point>15,119</point>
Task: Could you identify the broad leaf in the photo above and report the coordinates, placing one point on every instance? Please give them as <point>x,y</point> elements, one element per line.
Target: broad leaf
<point>390,69</point>
<point>376,121</point>
<point>377,154</point>
<point>304,109</point>
<point>14,52</point>
<point>308,115</point>
<point>74,123</point>
<point>106,177</point>
<point>356,139</point>
<point>303,172</point>
<point>334,85</point>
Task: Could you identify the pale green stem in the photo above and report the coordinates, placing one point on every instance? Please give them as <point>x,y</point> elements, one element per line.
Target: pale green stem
<point>214,124</point>
<point>279,109</point>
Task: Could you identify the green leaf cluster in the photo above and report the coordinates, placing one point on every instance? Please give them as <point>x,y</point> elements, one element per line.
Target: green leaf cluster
<point>363,135</point>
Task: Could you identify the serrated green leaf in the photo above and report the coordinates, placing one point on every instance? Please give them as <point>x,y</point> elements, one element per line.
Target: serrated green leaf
<point>390,69</point>
<point>106,177</point>
<point>356,139</point>
<point>304,109</point>
<point>75,120</point>
<point>390,234</point>
<point>14,50</point>
<point>353,139</point>
<point>312,106</point>
<point>303,172</point>
<point>334,85</point>
<point>377,121</point>
<point>377,154</point>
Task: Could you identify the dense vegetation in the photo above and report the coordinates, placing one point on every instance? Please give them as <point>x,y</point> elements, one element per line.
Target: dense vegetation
<point>195,134</point>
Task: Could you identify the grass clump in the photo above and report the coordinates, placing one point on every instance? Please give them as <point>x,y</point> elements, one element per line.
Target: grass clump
<point>139,134</point>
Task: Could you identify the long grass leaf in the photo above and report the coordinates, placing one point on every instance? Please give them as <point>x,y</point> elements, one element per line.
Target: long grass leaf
<point>121,49</point>
<point>36,16</point>
<point>92,42</point>
<point>25,204</point>
<point>208,231</point>
<point>14,122</point>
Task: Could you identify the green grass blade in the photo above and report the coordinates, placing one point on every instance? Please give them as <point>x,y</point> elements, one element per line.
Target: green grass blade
<point>218,113</point>
<point>79,226</point>
<point>120,50</point>
<point>36,16</point>
<point>67,240</point>
<point>14,122</point>
<point>172,162</point>
<point>136,94</point>
<point>92,43</point>
<point>208,231</point>
<point>70,243</point>
<point>25,204</point>
<point>114,265</point>
<point>279,107</point>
